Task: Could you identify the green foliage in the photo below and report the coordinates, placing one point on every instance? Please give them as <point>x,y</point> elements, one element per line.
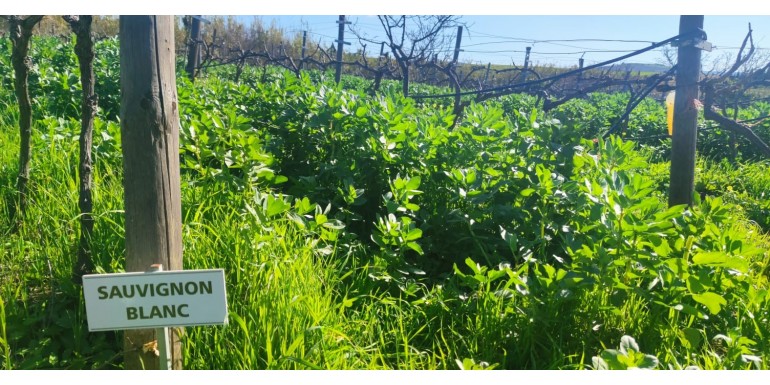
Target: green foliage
<point>719,143</point>
<point>627,357</point>
<point>745,185</point>
<point>364,231</point>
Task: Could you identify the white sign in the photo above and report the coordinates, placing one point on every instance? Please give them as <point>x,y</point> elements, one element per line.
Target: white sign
<point>155,299</point>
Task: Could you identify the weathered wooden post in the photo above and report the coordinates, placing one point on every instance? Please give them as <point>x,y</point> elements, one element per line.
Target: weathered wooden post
<point>686,104</point>
<point>581,62</point>
<point>193,52</point>
<point>340,43</point>
<point>525,71</point>
<point>458,42</point>
<point>455,77</point>
<point>486,75</point>
<point>404,64</point>
<point>302,53</point>
<point>149,125</point>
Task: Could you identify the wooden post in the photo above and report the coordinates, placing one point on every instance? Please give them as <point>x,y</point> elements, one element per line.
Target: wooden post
<point>526,66</point>
<point>580,74</point>
<point>149,125</point>
<point>211,51</point>
<point>84,49</point>
<point>457,44</point>
<point>340,42</point>
<point>486,75</point>
<point>193,52</point>
<point>302,53</point>
<point>21,32</point>
<point>304,44</point>
<point>733,139</point>
<point>164,353</point>
<point>405,70</point>
<point>685,115</point>
<point>382,53</point>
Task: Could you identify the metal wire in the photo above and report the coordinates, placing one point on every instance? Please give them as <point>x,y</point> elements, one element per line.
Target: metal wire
<point>562,75</point>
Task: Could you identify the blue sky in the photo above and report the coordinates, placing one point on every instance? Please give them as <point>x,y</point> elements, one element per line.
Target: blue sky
<point>502,39</point>
<point>582,22</point>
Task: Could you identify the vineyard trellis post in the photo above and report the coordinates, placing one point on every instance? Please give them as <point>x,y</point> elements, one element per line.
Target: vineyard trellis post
<point>340,43</point>
<point>149,125</point>
<point>454,76</point>
<point>581,62</point>
<point>486,75</point>
<point>193,52</point>
<point>302,53</point>
<point>526,66</point>
<point>686,106</point>
<point>457,44</point>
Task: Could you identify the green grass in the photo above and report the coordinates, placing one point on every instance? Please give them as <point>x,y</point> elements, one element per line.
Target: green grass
<point>286,297</point>
<point>745,185</point>
<point>301,299</point>
<point>506,242</point>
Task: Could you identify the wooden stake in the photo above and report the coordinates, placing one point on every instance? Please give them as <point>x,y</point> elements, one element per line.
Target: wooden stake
<point>458,41</point>
<point>193,53</point>
<point>340,43</point>
<point>686,106</point>
<point>302,53</point>
<point>164,354</point>
<point>580,74</point>
<point>149,126</point>
<point>526,66</point>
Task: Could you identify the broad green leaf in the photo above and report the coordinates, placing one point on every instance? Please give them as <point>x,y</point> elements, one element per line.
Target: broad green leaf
<point>628,343</point>
<point>413,235</point>
<point>473,265</point>
<point>712,301</point>
<point>718,258</point>
<point>614,359</point>
<point>412,207</point>
<point>527,192</point>
<point>415,246</point>
<point>647,362</point>
<point>413,183</point>
<point>709,258</point>
<point>697,284</point>
<point>687,309</point>
<point>692,337</point>
<point>599,363</point>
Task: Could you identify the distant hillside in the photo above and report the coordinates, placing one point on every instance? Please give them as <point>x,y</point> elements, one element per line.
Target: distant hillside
<point>640,67</point>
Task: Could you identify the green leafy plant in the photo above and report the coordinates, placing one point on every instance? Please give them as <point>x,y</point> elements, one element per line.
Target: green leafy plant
<point>628,356</point>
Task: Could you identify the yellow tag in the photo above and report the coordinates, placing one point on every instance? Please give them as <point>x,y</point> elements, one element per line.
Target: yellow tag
<point>670,111</point>
<point>151,347</point>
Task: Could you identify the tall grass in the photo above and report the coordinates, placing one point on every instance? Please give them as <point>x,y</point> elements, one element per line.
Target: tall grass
<point>286,293</point>
<point>587,257</point>
<point>298,300</point>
